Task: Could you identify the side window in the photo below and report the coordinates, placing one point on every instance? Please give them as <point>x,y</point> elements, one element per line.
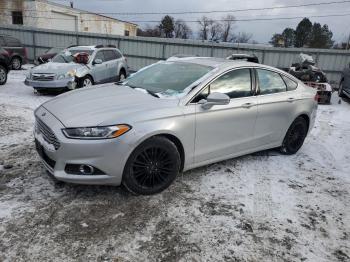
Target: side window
<point>110,55</point>
<point>270,82</point>
<point>119,55</point>
<point>202,95</point>
<point>291,85</point>
<point>99,55</point>
<point>235,84</point>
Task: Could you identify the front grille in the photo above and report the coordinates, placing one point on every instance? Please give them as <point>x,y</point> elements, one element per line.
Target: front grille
<point>43,77</point>
<point>43,155</point>
<point>47,133</point>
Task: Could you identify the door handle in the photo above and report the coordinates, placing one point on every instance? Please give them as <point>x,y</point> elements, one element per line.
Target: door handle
<point>247,105</point>
<point>291,99</point>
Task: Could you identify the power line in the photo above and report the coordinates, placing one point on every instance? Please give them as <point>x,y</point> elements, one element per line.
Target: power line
<point>201,12</point>
<point>195,21</point>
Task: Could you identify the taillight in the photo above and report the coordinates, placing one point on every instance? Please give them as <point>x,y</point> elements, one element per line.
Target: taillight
<point>316,97</point>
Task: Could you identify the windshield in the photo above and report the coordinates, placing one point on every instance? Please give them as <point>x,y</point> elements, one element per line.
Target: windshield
<point>168,78</point>
<point>66,56</point>
<point>54,50</point>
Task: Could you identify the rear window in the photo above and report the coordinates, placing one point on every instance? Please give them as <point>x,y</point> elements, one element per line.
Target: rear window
<point>270,82</point>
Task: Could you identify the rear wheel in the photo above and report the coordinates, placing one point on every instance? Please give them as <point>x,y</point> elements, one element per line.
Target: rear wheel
<point>152,166</point>
<point>295,137</point>
<point>16,63</point>
<point>3,75</point>
<point>340,90</point>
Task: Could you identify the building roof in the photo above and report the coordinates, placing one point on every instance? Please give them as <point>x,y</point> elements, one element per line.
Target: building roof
<point>84,11</point>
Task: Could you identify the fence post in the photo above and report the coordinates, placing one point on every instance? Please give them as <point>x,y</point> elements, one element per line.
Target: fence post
<point>163,50</point>
<point>34,44</point>
<point>263,56</point>
<point>77,39</point>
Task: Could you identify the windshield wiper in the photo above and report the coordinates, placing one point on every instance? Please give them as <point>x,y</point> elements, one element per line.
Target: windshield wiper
<point>148,91</point>
<point>152,93</point>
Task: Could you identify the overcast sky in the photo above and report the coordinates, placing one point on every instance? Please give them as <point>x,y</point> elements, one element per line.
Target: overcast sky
<point>261,30</point>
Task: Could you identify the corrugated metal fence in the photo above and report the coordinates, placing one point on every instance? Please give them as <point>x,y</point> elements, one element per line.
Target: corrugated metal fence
<point>142,51</point>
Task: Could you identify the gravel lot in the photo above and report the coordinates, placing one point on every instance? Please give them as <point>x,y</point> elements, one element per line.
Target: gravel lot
<point>260,207</point>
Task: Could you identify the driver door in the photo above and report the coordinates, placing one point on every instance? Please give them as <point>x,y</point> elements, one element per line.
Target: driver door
<point>226,130</point>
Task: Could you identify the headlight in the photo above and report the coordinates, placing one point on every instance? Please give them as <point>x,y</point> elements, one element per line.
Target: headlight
<point>99,132</point>
<point>71,73</point>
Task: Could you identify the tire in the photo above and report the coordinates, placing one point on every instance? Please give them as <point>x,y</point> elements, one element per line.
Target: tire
<point>151,167</point>
<point>340,90</point>
<point>16,63</point>
<point>86,81</point>
<point>122,75</point>
<point>3,75</point>
<point>295,137</point>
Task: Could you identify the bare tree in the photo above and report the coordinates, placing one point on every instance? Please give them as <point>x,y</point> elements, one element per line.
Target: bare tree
<point>204,23</point>
<point>227,28</point>
<point>182,30</point>
<point>242,37</point>
<point>215,30</point>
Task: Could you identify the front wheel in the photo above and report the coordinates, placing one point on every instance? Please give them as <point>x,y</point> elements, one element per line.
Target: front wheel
<point>85,82</point>
<point>152,166</point>
<point>295,137</point>
<point>3,75</point>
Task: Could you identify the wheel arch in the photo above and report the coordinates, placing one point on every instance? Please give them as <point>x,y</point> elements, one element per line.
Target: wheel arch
<point>170,136</point>
<point>306,118</point>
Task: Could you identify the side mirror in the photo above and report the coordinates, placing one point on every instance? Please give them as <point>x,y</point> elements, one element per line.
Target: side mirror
<point>97,61</point>
<point>215,99</point>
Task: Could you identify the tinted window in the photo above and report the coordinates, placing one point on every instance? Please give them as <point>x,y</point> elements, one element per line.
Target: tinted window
<point>12,42</point>
<point>110,55</point>
<point>235,84</point>
<point>291,85</point>
<point>270,82</point>
<point>119,55</point>
<point>100,55</point>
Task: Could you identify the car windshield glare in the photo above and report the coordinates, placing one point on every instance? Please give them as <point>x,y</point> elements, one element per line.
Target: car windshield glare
<point>168,78</point>
<point>66,56</point>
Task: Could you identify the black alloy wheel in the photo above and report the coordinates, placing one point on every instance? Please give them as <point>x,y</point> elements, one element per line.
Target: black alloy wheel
<point>295,136</point>
<point>152,167</point>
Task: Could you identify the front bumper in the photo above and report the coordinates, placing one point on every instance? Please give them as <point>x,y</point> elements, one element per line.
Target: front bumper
<point>54,84</point>
<point>108,155</point>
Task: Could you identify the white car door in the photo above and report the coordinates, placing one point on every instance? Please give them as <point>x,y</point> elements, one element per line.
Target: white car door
<point>99,71</point>
<point>226,130</point>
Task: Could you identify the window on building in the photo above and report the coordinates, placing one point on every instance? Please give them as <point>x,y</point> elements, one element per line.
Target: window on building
<point>17,18</point>
<point>126,32</point>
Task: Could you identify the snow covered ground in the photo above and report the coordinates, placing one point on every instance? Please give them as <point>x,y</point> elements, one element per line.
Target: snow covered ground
<point>260,207</point>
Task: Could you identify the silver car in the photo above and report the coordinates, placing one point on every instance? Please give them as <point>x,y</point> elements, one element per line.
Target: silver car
<point>170,117</point>
<point>105,64</point>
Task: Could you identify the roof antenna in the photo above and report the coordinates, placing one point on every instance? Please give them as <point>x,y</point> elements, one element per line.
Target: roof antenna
<point>71,4</point>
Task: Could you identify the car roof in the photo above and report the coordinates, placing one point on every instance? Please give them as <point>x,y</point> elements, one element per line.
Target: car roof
<point>88,47</point>
<point>215,62</point>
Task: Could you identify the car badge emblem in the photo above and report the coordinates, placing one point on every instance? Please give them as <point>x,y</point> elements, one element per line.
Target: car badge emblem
<point>43,114</point>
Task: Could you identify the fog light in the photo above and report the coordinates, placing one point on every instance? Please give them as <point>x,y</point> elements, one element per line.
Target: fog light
<point>86,169</point>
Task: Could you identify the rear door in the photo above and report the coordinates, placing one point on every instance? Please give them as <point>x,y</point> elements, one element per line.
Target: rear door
<point>276,107</point>
<point>112,64</point>
<point>99,71</point>
<point>225,130</point>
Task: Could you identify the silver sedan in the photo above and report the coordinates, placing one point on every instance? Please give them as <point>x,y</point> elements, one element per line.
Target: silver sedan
<point>170,117</point>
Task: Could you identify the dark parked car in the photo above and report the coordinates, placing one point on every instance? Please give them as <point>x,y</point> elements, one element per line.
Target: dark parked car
<point>4,65</point>
<point>244,57</point>
<point>16,50</point>
<point>344,87</point>
<point>49,54</point>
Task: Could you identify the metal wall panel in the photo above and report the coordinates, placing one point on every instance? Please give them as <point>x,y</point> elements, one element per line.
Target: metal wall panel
<point>142,51</point>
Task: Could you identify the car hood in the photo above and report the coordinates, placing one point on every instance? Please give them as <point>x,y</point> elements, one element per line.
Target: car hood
<point>104,105</point>
<point>55,68</point>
